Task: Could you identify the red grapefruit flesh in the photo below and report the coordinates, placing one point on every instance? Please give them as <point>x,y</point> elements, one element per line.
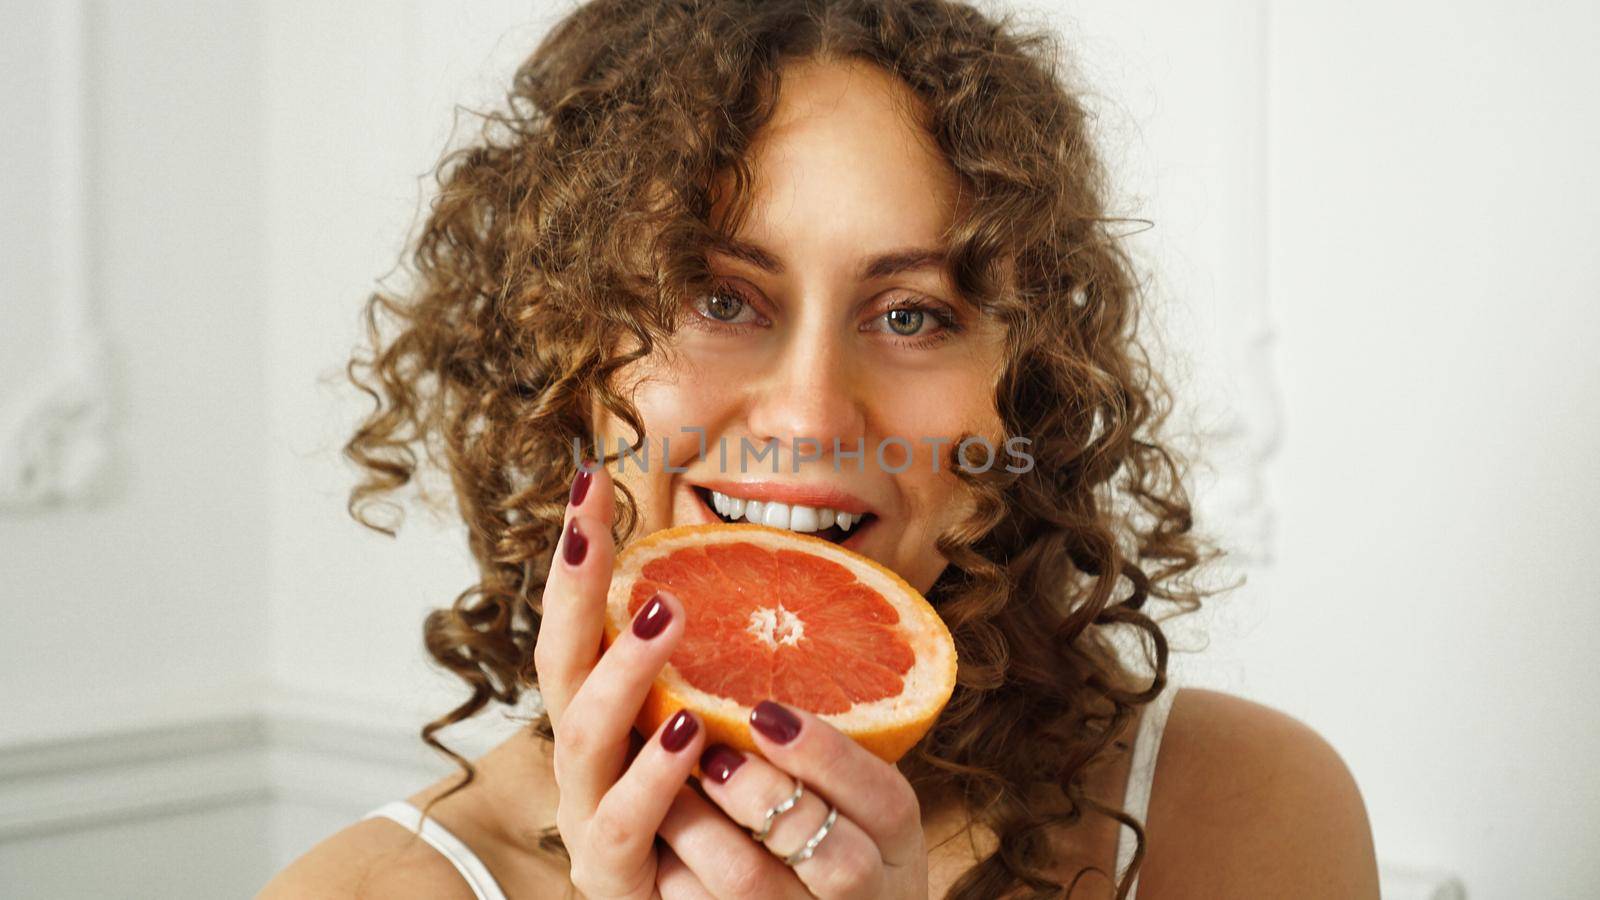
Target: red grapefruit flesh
<point>775,614</point>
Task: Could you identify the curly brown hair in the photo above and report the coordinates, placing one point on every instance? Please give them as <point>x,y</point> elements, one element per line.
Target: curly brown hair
<point>580,214</point>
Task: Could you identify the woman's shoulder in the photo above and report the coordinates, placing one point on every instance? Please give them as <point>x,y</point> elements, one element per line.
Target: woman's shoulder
<point>370,858</point>
<point>1252,802</point>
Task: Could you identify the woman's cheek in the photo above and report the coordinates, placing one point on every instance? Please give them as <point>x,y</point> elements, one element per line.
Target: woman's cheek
<point>937,413</point>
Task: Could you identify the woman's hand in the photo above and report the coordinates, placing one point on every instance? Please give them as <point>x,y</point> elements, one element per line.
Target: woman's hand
<point>609,808</point>
<point>874,848</point>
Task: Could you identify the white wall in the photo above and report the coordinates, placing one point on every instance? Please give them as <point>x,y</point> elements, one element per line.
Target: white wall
<point>359,107</point>
<point>1374,233</point>
<point>1436,282</point>
<point>134,561</point>
<point>147,601</point>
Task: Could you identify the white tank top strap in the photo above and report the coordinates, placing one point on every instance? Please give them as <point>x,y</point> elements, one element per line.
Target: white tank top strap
<point>477,876</point>
<point>1136,799</point>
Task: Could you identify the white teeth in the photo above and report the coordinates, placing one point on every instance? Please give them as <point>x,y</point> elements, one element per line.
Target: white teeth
<point>776,515</point>
<point>802,518</point>
<point>793,517</point>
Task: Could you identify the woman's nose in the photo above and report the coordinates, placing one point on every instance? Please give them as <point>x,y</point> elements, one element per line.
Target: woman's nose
<point>809,402</point>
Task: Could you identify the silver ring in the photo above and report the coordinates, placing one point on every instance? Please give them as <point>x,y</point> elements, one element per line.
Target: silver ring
<point>779,809</point>
<point>804,853</point>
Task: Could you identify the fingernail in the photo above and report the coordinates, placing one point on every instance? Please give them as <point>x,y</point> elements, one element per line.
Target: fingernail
<point>576,545</point>
<point>580,484</point>
<point>652,619</point>
<point>777,723</point>
<point>719,762</point>
<point>679,731</point>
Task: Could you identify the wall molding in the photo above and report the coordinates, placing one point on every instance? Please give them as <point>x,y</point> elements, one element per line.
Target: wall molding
<point>1243,445</point>
<point>336,764</point>
<point>333,763</point>
<point>74,783</point>
<point>337,753</point>
<point>54,445</point>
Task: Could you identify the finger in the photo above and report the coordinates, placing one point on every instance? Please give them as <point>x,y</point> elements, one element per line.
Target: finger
<point>574,597</point>
<point>592,741</point>
<point>675,880</point>
<point>844,860</point>
<point>622,830</point>
<point>868,791</point>
<point>721,855</point>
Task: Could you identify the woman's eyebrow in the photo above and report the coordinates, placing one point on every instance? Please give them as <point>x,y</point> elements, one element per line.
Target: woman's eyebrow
<point>883,265</point>
<point>909,259</point>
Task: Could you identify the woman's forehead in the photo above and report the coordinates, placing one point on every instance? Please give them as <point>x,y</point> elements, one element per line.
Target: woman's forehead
<point>843,165</point>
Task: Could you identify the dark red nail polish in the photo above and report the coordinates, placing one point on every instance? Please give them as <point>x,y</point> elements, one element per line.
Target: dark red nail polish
<point>679,731</point>
<point>576,545</point>
<point>719,762</point>
<point>580,484</point>
<point>652,619</point>
<point>777,723</point>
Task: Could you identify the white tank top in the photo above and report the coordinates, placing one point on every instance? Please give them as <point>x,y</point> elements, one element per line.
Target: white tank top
<point>1135,800</point>
<point>477,876</point>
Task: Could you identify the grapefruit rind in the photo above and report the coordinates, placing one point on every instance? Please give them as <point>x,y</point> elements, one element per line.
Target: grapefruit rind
<point>888,728</point>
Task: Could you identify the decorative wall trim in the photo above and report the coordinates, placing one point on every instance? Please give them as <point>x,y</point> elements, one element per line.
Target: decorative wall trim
<point>62,786</point>
<point>1245,443</point>
<point>1257,354</point>
<point>76,783</point>
<point>66,785</point>
<point>307,752</point>
<point>54,447</point>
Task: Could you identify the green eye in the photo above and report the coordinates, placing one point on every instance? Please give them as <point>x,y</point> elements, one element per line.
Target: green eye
<point>904,321</point>
<point>724,307</point>
<point>909,318</point>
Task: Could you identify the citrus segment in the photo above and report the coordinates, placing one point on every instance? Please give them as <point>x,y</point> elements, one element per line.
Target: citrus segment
<point>790,617</point>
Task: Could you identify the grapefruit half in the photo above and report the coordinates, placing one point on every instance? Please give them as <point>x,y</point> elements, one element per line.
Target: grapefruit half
<point>776,614</point>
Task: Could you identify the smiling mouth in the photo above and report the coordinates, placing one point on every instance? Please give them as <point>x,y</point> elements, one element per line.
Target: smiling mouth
<point>833,533</point>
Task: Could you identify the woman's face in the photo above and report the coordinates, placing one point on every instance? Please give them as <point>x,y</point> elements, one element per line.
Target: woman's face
<point>826,330</point>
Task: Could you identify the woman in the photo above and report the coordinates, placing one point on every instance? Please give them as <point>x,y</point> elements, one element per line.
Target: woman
<point>829,221</point>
